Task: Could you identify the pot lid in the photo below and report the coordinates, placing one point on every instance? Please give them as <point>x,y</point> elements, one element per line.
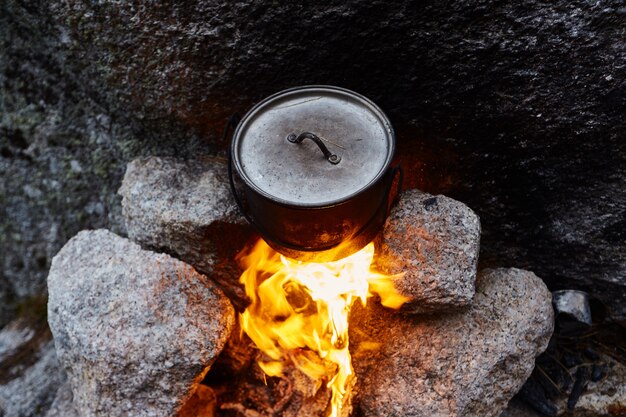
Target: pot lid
<point>278,146</point>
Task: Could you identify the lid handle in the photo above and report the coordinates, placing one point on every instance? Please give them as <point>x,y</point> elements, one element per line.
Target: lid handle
<point>330,157</point>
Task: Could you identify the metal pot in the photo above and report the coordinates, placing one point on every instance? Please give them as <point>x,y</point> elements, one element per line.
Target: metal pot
<point>315,166</point>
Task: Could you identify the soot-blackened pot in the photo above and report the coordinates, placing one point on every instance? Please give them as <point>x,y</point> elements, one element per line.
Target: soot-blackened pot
<point>315,163</point>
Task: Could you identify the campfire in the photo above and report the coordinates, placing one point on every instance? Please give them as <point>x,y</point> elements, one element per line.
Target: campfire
<point>143,332</point>
<point>336,302</point>
<point>319,211</point>
<point>302,307</point>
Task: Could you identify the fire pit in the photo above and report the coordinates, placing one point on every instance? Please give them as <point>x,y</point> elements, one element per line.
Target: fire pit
<point>301,308</point>
<point>145,334</point>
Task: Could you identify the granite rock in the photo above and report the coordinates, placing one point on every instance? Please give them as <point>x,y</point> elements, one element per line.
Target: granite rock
<point>185,208</point>
<point>62,406</point>
<point>62,152</point>
<point>434,242</point>
<point>30,373</point>
<point>467,363</point>
<point>135,330</point>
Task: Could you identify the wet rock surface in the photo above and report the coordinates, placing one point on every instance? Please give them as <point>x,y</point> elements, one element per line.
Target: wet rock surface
<point>185,208</point>
<point>135,330</point>
<point>434,242</point>
<point>467,363</point>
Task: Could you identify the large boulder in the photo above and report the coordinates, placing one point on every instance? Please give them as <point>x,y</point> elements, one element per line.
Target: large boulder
<point>62,152</point>
<point>433,241</point>
<point>464,364</point>
<point>135,330</point>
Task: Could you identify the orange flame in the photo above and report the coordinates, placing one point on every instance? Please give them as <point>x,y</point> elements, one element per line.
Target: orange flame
<point>298,305</point>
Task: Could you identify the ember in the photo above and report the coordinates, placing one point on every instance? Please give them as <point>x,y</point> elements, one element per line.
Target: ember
<point>299,307</point>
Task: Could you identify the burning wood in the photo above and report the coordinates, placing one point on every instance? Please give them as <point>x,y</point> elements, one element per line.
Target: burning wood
<point>292,394</point>
<point>298,308</point>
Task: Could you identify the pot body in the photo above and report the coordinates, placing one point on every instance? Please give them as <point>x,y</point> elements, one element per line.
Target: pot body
<point>323,199</point>
<point>321,234</point>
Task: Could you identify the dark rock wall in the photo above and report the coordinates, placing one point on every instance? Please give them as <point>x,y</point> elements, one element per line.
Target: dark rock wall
<point>515,108</point>
<point>62,152</point>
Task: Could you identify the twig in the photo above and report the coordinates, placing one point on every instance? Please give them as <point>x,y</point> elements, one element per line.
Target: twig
<point>550,380</point>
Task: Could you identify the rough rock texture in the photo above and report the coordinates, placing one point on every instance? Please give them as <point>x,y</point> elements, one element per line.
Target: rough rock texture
<point>31,393</point>
<point>62,153</point>
<point>7,304</point>
<point>515,109</point>
<point>186,208</point>
<point>62,406</point>
<point>134,329</point>
<point>592,388</point>
<point>468,363</point>
<point>434,241</point>
<point>30,373</point>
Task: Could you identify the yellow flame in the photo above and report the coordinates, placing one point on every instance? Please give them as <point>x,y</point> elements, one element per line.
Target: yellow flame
<point>304,305</point>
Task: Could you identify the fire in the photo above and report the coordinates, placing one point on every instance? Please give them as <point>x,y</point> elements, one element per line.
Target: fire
<point>298,307</point>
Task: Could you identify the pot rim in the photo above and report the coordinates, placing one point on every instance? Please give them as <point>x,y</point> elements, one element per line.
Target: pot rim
<point>385,168</point>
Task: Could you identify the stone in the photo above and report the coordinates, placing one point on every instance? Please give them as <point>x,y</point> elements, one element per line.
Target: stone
<point>463,364</point>
<point>30,373</point>
<point>62,406</point>
<point>434,242</point>
<point>135,330</point>
<point>185,208</point>
<point>50,125</point>
<point>582,372</point>
<point>32,392</point>
<point>7,307</point>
